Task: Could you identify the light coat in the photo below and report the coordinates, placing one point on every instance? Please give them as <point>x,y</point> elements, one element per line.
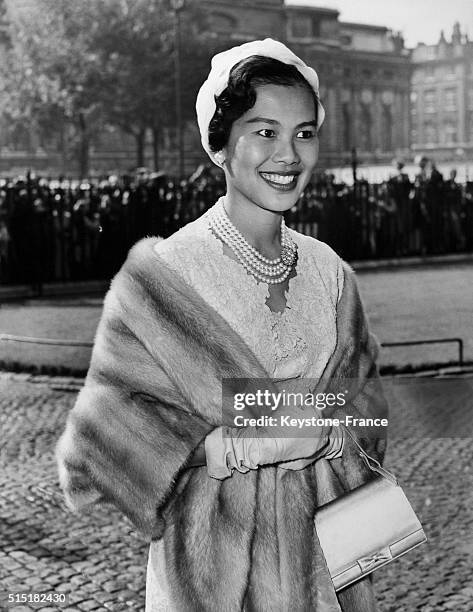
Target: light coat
<point>152,394</point>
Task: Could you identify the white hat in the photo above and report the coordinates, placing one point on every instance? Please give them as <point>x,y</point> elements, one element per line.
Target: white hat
<point>221,66</point>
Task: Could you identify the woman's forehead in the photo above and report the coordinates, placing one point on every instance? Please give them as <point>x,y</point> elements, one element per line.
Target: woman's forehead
<point>282,102</point>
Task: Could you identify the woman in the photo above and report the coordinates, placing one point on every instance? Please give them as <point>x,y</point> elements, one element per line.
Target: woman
<point>234,295</point>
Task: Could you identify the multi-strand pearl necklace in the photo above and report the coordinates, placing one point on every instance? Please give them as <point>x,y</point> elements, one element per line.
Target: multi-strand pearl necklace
<point>272,271</point>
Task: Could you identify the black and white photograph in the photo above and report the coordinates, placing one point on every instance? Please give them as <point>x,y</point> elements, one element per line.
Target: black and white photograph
<point>236,305</point>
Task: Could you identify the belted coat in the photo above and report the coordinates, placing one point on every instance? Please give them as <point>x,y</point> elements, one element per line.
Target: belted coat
<point>153,393</point>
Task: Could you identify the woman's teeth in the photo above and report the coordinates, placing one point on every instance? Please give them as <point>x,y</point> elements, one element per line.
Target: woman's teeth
<point>282,179</point>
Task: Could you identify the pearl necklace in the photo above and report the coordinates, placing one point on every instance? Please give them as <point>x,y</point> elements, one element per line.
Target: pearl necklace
<point>272,271</point>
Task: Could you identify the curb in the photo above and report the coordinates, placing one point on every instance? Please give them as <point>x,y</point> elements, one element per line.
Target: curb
<point>441,370</point>
<point>16,292</point>
<point>375,265</point>
<point>58,383</point>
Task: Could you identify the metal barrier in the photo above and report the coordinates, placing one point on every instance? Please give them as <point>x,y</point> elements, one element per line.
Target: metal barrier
<point>88,344</point>
<point>49,341</point>
<point>51,233</point>
<point>458,341</point>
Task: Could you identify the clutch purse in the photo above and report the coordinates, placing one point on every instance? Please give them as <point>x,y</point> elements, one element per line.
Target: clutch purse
<point>367,527</point>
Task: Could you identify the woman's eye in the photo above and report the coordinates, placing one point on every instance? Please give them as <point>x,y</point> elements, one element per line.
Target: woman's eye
<point>306,134</point>
<point>266,133</point>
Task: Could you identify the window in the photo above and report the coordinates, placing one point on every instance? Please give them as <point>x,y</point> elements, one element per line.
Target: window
<point>315,27</point>
<point>429,72</point>
<point>305,26</point>
<point>387,128</point>
<point>430,52</point>
<point>429,101</point>
<point>450,99</point>
<point>450,133</point>
<point>346,127</point>
<point>301,26</point>
<point>430,133</point>
<point>413,103</point>
<point>366,128</point>
<point>470,98</point>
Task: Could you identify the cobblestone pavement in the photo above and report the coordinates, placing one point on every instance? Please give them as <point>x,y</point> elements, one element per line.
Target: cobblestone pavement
<point>98,561</point>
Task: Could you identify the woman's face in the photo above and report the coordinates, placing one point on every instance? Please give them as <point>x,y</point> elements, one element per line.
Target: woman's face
<point>273,148</point>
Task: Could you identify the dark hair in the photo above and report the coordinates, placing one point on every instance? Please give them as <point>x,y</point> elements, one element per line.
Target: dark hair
<point>240,94</point>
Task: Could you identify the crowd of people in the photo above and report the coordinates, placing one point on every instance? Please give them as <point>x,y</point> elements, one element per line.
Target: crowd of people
<point>75,230</point>
<point>398,217</point>
<point>65,230</point>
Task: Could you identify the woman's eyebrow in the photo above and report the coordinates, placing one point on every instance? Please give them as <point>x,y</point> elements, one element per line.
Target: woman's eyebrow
<point>274,122</point>
<point>313,123</point>
<point>262,120</point>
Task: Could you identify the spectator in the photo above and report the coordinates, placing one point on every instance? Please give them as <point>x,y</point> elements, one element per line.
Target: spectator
<point>453,212</point>
<point>4,248</point>
<point>435,211</point>
<point>399,189</point>
<point>421,217</point>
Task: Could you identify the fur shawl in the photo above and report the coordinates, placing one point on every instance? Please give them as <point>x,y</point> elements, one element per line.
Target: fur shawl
<point>152,394</point>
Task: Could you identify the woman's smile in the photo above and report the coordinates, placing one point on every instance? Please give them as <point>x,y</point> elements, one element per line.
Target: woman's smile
<point>281,181</point>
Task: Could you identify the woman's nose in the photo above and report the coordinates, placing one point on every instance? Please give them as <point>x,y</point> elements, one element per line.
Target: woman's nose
<point>286,151</point>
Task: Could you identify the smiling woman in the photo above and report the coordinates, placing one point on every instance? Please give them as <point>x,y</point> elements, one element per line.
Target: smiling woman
<point>275,140</point>
<point>233,295</point>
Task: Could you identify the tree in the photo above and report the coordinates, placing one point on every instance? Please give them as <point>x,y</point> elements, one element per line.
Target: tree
<point>74,65</point>
<point>136,48</point>
<point>131,41</point>
<point>22,103</point>
<point>60,66</point>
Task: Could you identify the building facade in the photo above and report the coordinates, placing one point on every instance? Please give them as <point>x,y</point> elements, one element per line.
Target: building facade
<point>442,98</point>
<point>364,72</point>
<point>381,99</point>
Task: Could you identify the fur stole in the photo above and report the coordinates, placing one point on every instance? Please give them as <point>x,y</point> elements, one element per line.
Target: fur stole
<point>152,394</point>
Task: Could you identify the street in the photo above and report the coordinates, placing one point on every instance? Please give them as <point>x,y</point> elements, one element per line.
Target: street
<point>98,561</point>
<point>402,303</point>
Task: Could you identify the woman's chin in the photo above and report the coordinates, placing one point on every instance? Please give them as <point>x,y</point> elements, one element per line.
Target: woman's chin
<point>277,207</point>
<point>282,203</point>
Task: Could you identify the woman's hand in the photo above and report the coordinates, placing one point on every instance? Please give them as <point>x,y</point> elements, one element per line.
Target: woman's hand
<point>266,449</point>
<point>229,449</point>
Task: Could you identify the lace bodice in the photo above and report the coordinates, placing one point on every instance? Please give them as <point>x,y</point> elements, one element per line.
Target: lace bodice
<point>294,343</point>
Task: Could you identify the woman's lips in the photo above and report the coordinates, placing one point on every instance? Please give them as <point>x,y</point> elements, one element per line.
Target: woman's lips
<point>280,182</point>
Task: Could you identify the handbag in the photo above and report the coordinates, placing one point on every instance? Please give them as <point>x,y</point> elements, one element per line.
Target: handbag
<point>367,527</point>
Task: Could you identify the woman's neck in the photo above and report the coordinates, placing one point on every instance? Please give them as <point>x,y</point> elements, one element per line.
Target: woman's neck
<point>260,227</point>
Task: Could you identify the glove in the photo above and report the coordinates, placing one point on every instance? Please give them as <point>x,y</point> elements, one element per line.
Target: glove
<point>229,448</point>
<point>332,450</point>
